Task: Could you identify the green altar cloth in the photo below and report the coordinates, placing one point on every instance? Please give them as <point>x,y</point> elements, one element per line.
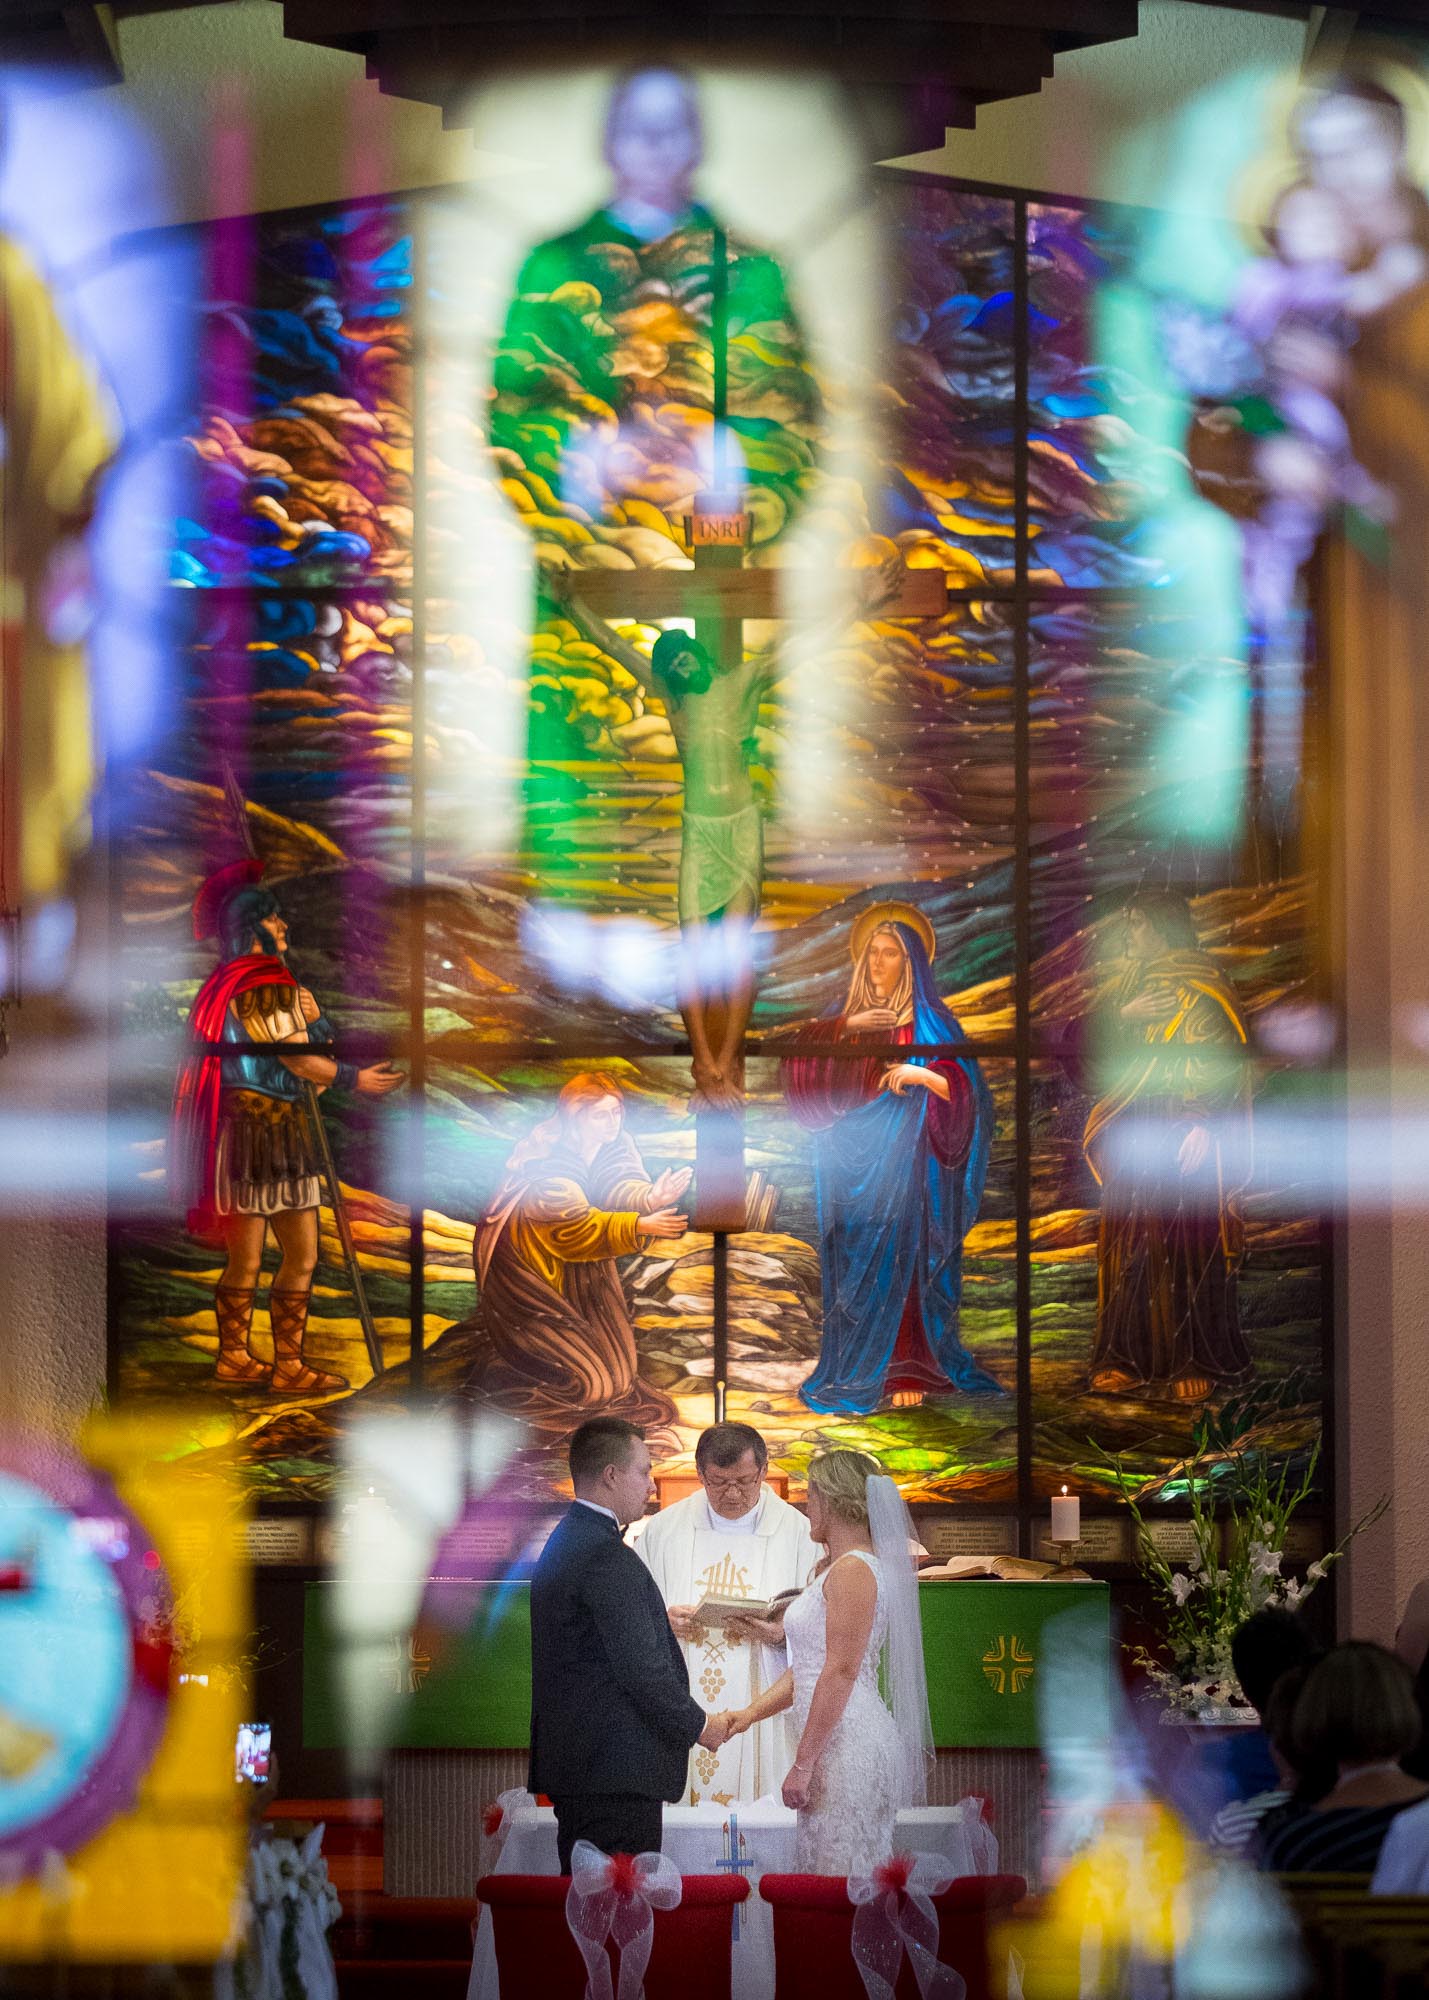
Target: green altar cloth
<point>984,1643</point>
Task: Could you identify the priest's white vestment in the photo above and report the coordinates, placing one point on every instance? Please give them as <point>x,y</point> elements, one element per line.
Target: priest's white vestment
<point>692,1553</point>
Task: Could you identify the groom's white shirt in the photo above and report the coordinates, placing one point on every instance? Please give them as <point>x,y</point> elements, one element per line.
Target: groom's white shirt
<point>692,1552</point>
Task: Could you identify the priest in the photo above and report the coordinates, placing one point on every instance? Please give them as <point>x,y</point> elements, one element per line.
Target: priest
<point>734,1538</point>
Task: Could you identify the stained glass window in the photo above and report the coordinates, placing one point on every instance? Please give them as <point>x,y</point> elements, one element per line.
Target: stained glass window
<point>473,818</point>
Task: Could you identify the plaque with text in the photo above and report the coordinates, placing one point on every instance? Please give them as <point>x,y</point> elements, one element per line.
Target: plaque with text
<point>944,1535</point>
<point>1305,1541</point>
<point>1176,1540</point>
<point>278,1541</point>
<point>1103,1541</point>
<point>720,531</point>
<point>489,1541</point>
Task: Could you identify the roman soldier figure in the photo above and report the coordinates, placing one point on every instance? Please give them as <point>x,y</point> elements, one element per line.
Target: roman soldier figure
<point>243,1156</point>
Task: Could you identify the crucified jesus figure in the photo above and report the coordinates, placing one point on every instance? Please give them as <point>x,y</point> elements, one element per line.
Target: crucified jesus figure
<point>713,710</point>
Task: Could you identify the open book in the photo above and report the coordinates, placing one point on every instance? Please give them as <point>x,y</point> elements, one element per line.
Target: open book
<point>717,1610</point>
<point>1012,1569</point>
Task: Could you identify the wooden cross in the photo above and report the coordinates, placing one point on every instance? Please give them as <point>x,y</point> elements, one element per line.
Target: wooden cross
<point>720,594</point>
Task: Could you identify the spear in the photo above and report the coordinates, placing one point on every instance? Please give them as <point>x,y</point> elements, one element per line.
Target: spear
<point>238,807</point>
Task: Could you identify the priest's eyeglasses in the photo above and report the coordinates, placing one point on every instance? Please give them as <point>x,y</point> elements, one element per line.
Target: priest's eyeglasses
<point>715,1482</point>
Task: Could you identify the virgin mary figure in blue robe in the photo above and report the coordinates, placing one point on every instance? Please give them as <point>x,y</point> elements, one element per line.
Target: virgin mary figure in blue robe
<point>900,1159</point>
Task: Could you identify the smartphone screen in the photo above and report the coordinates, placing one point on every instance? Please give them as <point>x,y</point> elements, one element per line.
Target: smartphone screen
<point>251,1753</point>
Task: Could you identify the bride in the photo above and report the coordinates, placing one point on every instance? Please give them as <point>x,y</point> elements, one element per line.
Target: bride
<point>859,1760</point>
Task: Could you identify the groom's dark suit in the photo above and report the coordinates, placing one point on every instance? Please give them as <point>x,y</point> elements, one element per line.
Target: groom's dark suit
<point>612,1719</point>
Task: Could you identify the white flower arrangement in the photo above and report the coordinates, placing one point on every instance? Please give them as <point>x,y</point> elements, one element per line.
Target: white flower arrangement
<point>290,1906</point>
<point>1212,1595</point>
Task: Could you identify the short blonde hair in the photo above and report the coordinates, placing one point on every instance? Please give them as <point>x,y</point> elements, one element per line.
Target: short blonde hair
<point>841,1480</point>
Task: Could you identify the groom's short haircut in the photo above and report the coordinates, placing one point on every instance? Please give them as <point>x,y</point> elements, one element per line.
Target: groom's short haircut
<point>601,1442</point>
<point>726,1444</point>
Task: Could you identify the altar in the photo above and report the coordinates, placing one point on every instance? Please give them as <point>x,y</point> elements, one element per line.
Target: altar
<point>462,1731</point>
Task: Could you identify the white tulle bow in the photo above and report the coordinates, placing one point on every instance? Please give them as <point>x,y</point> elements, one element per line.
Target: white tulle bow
<point>616,1897</point>
<point>496,1820</point>
<point>894,1914</point>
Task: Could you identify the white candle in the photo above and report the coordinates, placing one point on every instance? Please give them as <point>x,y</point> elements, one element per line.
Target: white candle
<point>1066,1517</point>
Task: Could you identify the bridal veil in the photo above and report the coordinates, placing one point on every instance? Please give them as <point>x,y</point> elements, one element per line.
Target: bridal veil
<point>906,1677</point>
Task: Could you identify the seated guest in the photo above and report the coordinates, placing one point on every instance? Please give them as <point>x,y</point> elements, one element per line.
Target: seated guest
<point>1403,1866</point>
<point>1234,1826</point>
<point>1267,1645</point>
<point>1357,1713</point>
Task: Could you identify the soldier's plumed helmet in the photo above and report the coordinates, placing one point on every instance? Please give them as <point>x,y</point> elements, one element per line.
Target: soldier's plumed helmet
<point>239,920</point>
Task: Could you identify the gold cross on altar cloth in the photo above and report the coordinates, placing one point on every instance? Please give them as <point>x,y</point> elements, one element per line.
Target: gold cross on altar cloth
<point>1008,1665</point>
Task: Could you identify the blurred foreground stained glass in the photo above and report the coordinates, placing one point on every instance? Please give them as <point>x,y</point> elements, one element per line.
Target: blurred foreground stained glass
<point>1095,408</point>
<point>949,495</point>
<point>305,448</point>
<point>126,1621</point>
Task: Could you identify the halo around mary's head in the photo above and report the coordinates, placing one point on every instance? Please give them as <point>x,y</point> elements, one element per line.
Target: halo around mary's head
<point>883,914</point>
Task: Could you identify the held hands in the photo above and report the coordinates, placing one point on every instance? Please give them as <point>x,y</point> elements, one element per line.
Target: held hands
<point>719,1728</point>
<point>798,1787</point>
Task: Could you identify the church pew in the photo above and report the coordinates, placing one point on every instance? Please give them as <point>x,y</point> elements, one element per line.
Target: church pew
<point>416,1946</point>
<point>1361,1947</point>
<point>352,1838</point>
<point>1365,1941</point>
<point>689,1957</point>
<point>413,1978</point>
<point>1307,1894</point>
<point>813,1934</point>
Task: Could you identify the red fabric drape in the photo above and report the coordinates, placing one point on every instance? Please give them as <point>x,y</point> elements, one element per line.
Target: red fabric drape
<point>193,1134</point>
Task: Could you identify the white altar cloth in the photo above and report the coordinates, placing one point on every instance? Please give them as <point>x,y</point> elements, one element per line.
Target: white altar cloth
<point>695,1840</point>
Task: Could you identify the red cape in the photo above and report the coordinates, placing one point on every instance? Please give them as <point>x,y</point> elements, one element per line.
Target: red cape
<point>193,1133</point>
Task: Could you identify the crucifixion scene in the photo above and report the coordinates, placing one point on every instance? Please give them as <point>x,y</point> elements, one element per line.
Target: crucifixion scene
<point>777,1047</point>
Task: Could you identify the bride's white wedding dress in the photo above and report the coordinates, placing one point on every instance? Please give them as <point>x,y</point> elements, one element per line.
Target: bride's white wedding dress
<point>847,1826</point>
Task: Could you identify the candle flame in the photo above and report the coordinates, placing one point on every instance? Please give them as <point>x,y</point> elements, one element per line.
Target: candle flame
<point>1064,1489</point>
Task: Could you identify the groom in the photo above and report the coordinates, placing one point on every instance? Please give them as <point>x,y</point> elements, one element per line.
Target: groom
<point>612,1719</point>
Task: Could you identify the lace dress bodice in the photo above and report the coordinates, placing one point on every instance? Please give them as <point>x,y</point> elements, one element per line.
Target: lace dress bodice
<point>847,1826</point>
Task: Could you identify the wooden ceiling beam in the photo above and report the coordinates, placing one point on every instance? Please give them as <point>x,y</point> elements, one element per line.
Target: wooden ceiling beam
<point>915,67</point>
<point>1013,69</point>
<point>1061,20</point>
